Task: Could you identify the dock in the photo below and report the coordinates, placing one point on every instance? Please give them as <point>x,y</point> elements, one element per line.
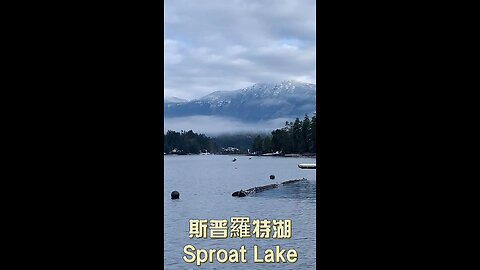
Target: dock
<point>307,166</point>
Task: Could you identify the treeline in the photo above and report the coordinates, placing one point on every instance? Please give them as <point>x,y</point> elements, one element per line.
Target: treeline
<point>296,137</point>
<point>192,143</point>
<point>187,142</point>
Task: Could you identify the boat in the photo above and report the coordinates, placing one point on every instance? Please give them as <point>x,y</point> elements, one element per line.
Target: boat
<point>307,166</point>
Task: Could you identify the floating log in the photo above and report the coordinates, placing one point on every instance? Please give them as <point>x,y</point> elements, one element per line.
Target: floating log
<point>293,181</point>
<point>251,191</point>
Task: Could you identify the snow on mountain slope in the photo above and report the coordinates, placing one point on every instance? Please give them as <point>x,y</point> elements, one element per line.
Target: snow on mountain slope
<point>262,101</point>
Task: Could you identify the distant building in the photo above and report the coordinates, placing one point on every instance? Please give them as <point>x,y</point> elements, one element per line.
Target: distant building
<point>176,151</point>
<point>230,150</point>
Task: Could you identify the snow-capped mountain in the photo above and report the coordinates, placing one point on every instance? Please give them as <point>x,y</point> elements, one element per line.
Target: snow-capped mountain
<point>262,101</point>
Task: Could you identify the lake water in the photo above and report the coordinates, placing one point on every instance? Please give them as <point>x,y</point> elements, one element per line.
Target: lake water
<point>206,184</point>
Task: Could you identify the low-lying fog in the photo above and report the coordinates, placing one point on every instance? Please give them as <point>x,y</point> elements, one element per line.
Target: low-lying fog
<point>214,125</point>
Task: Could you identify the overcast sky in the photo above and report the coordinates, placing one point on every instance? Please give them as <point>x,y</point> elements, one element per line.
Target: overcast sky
<point>212,45</point>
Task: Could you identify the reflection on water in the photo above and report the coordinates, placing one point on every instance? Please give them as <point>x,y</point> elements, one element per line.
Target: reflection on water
<point>206,183</point>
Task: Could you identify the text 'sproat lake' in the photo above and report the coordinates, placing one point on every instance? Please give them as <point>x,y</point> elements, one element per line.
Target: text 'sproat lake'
<point>206,184</point>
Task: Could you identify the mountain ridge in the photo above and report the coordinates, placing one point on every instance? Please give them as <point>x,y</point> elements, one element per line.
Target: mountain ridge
<point>261,101</point>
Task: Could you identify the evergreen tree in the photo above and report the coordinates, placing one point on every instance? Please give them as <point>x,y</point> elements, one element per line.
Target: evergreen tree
<point>257,144</point>
<point>267,144</point>
<point>187,142</point>
<point>296,135</point>
<point>305,142</point>
<point>313,134</point>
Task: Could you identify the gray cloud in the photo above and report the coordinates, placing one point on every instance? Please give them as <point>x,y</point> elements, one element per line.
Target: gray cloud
<point>215,45</point>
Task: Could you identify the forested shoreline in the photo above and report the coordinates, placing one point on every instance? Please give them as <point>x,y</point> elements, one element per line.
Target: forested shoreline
<point>187,142</point>
<point>297,137</point>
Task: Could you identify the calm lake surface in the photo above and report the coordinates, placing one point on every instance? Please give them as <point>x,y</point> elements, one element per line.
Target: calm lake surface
<point>206,184</point>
